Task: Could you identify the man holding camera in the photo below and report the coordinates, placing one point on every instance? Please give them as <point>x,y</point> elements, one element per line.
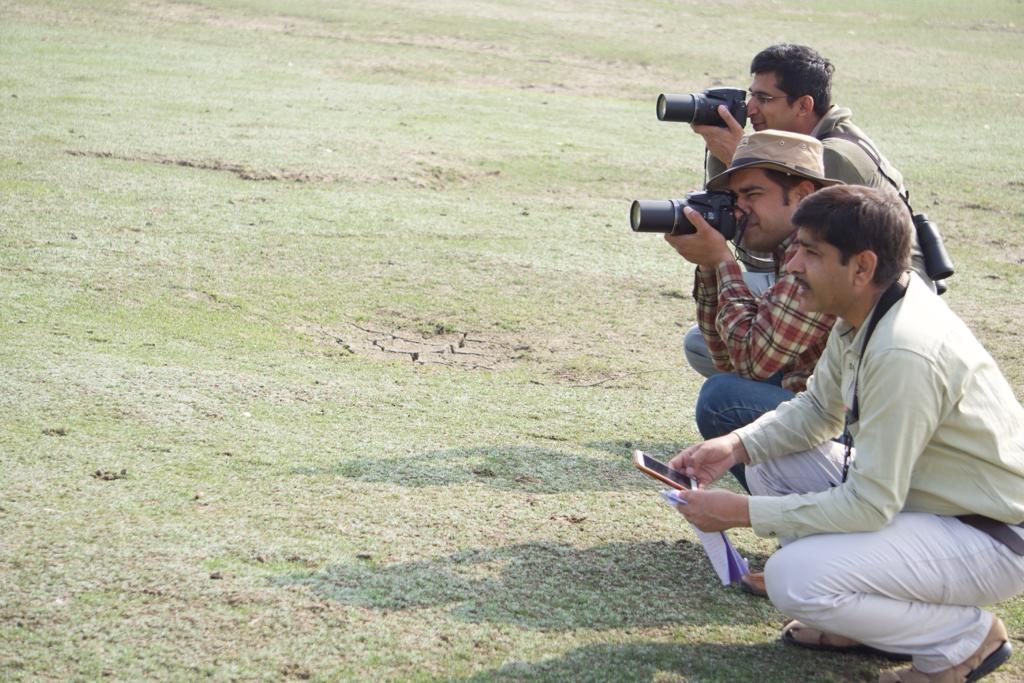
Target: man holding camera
<point>792,90</point>
<point>763,344</point>
<point>922,525</point>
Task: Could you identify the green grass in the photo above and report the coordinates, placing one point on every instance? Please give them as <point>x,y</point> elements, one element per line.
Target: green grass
<point>326,340</point>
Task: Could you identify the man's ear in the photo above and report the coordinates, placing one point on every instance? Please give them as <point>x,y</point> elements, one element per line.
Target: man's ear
<point>805,105</point>
<point>803,189</point>
<point>865,264</point>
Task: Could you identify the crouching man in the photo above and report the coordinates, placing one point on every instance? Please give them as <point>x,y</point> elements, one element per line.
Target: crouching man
<point>919,524</point>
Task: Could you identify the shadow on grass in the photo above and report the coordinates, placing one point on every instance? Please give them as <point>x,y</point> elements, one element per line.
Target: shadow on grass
<point>549,586</point>
<point>508,468</point>
<point>768,662</point>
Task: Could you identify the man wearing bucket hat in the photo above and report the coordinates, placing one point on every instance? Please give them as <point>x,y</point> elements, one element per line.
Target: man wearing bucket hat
<point>791,90</point>
<point>763,346</point>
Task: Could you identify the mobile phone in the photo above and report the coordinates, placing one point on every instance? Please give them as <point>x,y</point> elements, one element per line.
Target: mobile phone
<point>661,471</point>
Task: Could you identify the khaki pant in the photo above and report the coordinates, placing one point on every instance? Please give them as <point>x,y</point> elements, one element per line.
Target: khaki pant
<point>914,587</point>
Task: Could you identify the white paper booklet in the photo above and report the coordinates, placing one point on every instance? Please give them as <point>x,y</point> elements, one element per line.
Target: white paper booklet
<point>725,560</point>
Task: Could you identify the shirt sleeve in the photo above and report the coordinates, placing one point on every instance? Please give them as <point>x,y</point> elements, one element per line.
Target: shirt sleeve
<point>764,334</point>
<point>894,430</point>
<point>705,294</point>
<point>810,418</point>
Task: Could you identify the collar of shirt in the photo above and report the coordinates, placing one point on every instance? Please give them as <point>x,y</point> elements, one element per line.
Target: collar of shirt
<point>782,253</point>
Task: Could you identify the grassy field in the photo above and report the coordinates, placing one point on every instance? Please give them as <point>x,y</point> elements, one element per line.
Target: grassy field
<point>326,340</point>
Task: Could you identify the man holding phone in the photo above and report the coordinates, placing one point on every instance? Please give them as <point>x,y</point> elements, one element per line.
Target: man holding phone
<point>762,345</point>
<point>921,527</point>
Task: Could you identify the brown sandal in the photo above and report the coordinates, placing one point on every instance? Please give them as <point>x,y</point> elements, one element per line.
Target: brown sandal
<point>987,658</point>
<point>801,635</point>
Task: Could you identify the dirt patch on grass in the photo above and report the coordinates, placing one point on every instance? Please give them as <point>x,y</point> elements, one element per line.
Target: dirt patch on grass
<point>243,172</point>
<point>438,344</point>
<point>110,475</point>
<point>561,362</point>
<point>423,174</point>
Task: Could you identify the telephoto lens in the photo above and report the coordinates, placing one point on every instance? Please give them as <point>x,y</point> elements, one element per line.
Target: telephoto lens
<point>702,108</point>
<point>666,215</point>
<point>681,108</point>
<point>660,215</point>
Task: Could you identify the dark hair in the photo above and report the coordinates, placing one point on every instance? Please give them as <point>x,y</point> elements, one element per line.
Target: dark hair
<point>800,71</point>
<point>787,181</point>
<point>855,218</point>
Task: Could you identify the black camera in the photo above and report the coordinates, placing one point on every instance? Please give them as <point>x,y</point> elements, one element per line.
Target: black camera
<point>937,263</point>
<point>666,215</point>
<point>702,108</point>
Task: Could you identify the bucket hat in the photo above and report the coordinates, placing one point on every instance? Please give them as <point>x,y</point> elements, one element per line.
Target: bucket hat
<point>791,153</point>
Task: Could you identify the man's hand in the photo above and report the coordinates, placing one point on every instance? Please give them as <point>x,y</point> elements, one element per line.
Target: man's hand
<point>706,247</point>
<point>721,142</point>
<point>716,510</point>
<point>709,460</point>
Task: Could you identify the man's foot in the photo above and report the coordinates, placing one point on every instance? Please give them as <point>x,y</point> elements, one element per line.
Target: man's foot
<point>802,635</point>
<point>753,583</point>
<point>986,659</point>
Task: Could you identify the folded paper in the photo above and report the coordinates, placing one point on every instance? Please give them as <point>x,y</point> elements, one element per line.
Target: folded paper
<point>725,560</point>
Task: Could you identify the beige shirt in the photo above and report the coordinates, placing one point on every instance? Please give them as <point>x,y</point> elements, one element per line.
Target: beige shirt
<point>940,430</point>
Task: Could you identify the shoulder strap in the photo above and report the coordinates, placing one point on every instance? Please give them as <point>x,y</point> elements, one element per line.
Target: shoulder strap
<point>924,233</point>
<point>889,297</point>
<point>876,157</point>
<point>861,142</point>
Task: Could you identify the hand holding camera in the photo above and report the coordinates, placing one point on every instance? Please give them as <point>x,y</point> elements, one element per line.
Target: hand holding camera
<point>717,114</point>
<point>721,109</point>
<point>703,108</point>
<point>717,208</point>
<point>721,141</point>
<point>703,246</point>
<point>697,227</point>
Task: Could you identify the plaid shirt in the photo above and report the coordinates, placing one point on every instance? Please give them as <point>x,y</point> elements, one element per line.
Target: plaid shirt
<point>757,336</point>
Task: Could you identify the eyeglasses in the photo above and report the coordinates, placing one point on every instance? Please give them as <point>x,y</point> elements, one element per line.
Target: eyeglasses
<point>763,98</point>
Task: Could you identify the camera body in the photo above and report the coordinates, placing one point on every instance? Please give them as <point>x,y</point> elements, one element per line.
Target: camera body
<point>666,215</point>
<point>702,108</point>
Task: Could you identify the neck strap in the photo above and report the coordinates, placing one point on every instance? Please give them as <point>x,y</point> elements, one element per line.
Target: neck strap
<point>876,158</point>
<point>890,296</point>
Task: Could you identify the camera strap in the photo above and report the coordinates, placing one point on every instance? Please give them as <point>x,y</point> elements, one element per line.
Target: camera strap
<point>875,156</point>
<point>890,296</point>
<point>998,531</point>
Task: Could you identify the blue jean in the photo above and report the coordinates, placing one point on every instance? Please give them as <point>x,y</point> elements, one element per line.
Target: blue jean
<point>727,402</point>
